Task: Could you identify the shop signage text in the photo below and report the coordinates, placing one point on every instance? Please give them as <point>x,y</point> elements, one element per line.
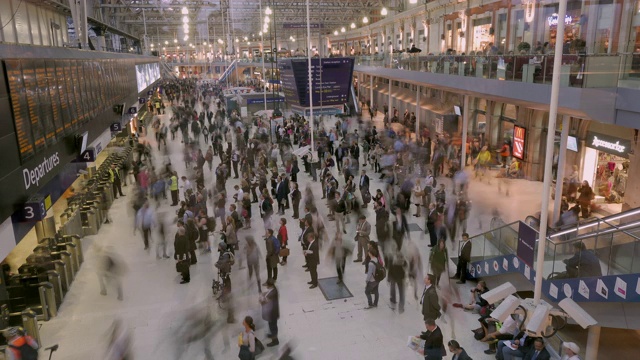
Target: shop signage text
<point>32,177</point>
<point>519,134</point>
<point>553,20</point>
<point>608,144</point>
<point>598,143</point>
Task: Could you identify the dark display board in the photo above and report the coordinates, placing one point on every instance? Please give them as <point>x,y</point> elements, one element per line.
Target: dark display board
<point>331,80</point>
<point>52,99</point>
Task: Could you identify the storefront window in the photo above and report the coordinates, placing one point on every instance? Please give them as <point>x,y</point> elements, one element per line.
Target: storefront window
<point>481,33</point>
<point>518,29</point>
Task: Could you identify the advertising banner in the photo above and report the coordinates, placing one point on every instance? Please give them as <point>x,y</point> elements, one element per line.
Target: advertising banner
<point>519,136</point>
<point>526,243</point>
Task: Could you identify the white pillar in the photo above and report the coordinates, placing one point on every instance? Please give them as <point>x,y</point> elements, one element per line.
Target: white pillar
<point>311,121</point>
<point>371,91</point>
<point>417,111</point>
<point>562,154</point>
<point>593,343</point>
<point>546,184</point>
<point>465,130</point>
<point>389,113</point>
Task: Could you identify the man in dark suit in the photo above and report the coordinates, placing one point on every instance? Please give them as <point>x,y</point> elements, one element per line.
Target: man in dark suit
<point>538,352</point>
<point>429,300</point>
<point>382,221</point>
<point>463,259</point>
<point>434,343</point>
<point>432,218</point>
<point>272,256</point>
<point>364,188</point>
<point>270,301</point>
<point>307,229</point>
<point>313,259</point>
<point>282,194</point>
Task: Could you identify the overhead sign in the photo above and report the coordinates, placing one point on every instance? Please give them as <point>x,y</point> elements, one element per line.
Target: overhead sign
<point>519,137</point>
<point>34,209</point>
<point>142,100</point>
<point>116,127</point>
<point>260,100</point>
<point>33,176</point>
<point>133,110</point>
<point>608,144</point>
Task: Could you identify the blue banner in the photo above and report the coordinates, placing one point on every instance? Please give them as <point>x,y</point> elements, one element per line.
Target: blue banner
<point>261,100</point>
<point>526,243</point>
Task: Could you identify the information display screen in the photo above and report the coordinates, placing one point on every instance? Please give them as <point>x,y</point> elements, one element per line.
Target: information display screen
<point>147,74</point>
<point>51,99</point>
<point>331,80</point>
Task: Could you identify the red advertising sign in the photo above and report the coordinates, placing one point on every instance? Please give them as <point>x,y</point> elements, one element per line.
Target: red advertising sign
<point>519,134</point>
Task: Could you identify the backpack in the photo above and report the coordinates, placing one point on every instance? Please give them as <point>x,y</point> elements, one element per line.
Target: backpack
<point>26,351</point>
<point>276,244</point>
<point>380,273</point>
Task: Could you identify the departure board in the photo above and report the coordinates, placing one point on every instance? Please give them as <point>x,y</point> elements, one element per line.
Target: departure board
<point>44,103</point>
<point>51,99</point>
<point>52,89</point>
<point>331,80</point>
<point>19,108</point>
<point>31,87</point>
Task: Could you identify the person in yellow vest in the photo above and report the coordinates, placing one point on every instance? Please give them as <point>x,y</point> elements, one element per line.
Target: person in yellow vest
<point>114,177</point>
<point>174,189</point>
<point>483,161</point>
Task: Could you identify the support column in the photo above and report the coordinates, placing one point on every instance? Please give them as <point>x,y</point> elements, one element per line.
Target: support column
<point>593,343</point>
<point>562,159</point>
<point>390,108</point>
<point>465,129</point>
<point>371,91</point>
<point>417,112</point>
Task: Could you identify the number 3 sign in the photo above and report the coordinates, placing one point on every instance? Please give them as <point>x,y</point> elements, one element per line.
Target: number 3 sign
<point>34,210</point>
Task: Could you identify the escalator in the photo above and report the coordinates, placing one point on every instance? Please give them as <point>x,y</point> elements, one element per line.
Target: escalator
<point>228,71</point>
<point>605,249</point>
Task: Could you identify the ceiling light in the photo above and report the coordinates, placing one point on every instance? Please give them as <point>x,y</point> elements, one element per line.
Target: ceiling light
<point>353,25</point>
<point>185,11</point>
<point>384,12</point>
<point>220,41</point>
<point>343,29</point>
<point>335,32</point>
<point>248,43</point>
<point>164,48</point>
<point>413,1</point>
<point>165,42</point>
<point>204,43</point>
<point>175,40</point>
<point>260,33</point>
<point>268,11</point>
<point>246,38</point>
<point>365,20</point>
<point>186,37</point>
<point>178,47</point>
<point>185,19</point>
<point>267,19</point>
<point>151,45</point>
<point>237,40</point>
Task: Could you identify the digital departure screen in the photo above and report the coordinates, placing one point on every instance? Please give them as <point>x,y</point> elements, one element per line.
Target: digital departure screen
<point>331,80</point>
<point>51,99</point>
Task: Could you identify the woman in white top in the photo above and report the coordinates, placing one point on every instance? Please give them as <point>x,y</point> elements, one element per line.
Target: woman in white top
<point>416,197</point>
<point>247,340</point>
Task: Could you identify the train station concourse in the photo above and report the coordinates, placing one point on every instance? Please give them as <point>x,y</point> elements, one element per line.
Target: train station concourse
<point>295,179</point>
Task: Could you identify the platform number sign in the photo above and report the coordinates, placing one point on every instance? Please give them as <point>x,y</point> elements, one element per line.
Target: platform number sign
<point>519,135</point>
<point>34,210</point>
<point>116,127</point>
<point>89,155</point>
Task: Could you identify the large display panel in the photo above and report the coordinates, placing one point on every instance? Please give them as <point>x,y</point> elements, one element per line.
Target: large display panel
<point>147,74</point>
<point>331,80</point>
<point>52,99</point>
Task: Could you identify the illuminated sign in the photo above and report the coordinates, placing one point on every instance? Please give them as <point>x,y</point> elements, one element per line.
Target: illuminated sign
<point>519,134</point>
<point>608,144</point>
<point>553,20</point>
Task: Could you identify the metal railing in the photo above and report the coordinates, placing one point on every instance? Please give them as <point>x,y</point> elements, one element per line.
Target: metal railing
<point>578,70</point>
<point>614,240</point>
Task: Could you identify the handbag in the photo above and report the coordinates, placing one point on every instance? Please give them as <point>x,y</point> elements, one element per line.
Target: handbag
<point>284,252</point>
<point>182,266</point>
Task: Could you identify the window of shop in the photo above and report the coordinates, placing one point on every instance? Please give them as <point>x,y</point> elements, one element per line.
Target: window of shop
<point>606,166</point>
<point>520,30</point>
<point>573,31</point>
<point>501,34</point>
<point>481,33</point>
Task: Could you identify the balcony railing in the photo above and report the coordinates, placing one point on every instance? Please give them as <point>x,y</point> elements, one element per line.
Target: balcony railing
<point>577,70</point>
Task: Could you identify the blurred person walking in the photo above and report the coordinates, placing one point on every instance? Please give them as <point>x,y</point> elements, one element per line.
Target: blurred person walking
<point>110,270</point>
<point>145,220</point>
<point>181,252</point>
<point>253,260</point>
<point>270,301</point>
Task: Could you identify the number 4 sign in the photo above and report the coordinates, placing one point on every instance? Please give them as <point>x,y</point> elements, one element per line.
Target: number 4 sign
<point>89,155</point>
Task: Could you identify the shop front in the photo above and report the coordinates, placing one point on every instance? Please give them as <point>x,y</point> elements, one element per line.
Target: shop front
<point>605,166</point>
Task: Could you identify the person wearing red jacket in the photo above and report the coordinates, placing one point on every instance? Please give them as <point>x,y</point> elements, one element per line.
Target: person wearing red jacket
<point>283,237</point>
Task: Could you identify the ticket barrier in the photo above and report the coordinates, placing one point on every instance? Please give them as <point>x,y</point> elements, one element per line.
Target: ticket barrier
<point>89,221</point>
<point>74,239</point>
<point>30,324</point>
<point>28,292</point>
<point>58,244</point>
<point>96,205</point>
<point>73,224</point>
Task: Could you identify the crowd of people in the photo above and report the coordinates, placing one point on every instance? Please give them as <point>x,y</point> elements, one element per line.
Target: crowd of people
<point>237,169</point>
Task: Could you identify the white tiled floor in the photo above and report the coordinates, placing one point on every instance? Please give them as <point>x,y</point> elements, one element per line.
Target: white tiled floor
<point>155,304</point>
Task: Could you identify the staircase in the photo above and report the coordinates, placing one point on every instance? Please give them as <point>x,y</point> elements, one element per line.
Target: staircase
<point>167,72</point>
